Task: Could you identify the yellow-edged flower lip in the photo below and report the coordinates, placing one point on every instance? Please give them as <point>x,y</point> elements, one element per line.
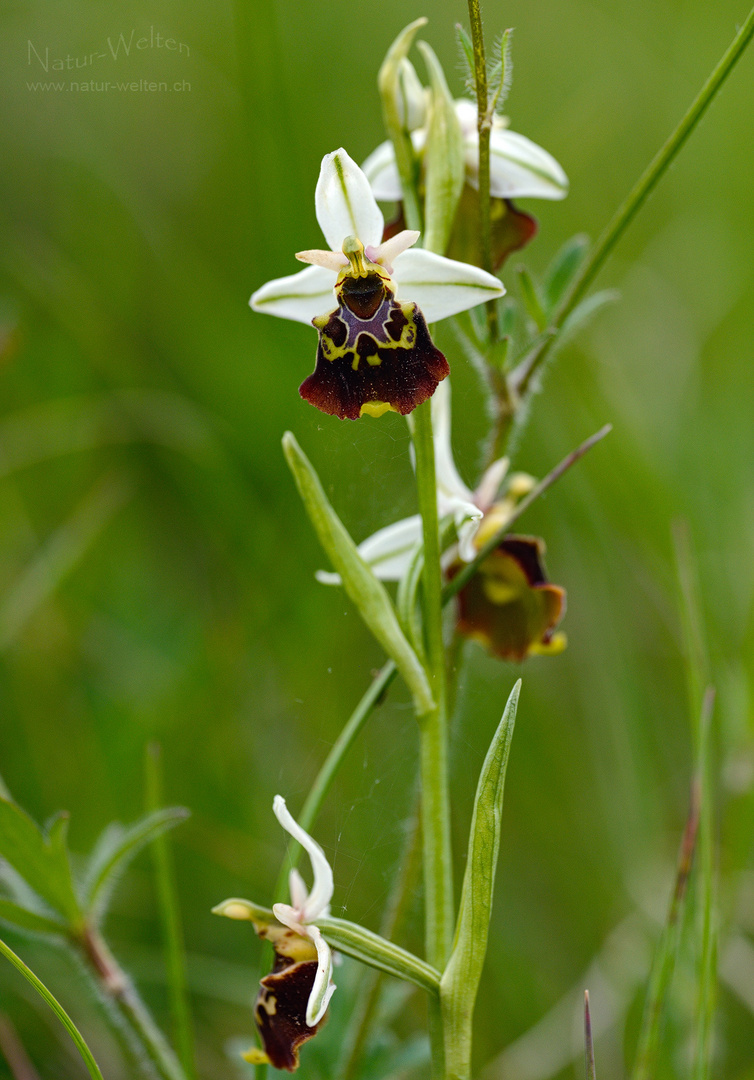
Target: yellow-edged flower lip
<point>375,354</point>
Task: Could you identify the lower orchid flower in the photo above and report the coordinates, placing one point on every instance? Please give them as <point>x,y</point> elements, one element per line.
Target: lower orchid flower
<point>375,353</point>
<point>294,997</point>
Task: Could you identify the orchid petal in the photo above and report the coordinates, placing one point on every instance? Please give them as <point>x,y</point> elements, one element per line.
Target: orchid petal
<point>442,287</point>
<point>518,167</point>
<point>387,552</point>
<point>323,988</point>
<point>345,204</point>
<point>289,917</point>
<point>300,297</point>
<point>466,535</point>
<point>319,898</point>
<point>489,485</point>
<point>387,253</point>
<point>331,260</point>
<point>298,890</point>
<point>382,173</point>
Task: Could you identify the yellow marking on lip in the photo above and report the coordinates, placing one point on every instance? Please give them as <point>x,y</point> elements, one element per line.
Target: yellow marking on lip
<point>376,408</point>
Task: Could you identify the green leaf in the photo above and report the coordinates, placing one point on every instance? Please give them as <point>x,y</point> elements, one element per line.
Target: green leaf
<point>444,159</point>
<point>532,299</point>
<point>41,860</point>
<point>582,315</point>
<point>389,84</point>
<point>501,75</point>
<point>377,952</point>
<point>563,269</point>
<point>460,980</point>
<point>116,847</point>
<point>367,593</point>
<point>57,1008</point>
<point>26,919</point>
<point>466,52</point>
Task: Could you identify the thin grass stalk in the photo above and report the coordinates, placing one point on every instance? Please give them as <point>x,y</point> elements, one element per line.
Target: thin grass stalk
<point>591,1073</point>
<point>647,1051</point>
<point>640,192</point>
<point>170,917</point>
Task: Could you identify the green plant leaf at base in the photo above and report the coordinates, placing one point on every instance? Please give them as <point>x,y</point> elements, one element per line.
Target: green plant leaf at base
<point>41,859</point>
<point>25,919</point>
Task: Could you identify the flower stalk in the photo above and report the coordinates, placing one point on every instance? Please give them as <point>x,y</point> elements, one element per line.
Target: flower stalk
<point>438,879</point>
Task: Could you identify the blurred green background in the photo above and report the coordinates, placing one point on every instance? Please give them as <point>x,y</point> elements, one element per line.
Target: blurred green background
<point>156,567</point>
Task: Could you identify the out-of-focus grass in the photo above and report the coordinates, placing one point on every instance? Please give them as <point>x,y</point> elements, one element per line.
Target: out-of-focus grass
<point>135,226</point>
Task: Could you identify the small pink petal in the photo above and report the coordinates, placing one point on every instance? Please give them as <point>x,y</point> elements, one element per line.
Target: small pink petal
<point>330,260</point>
<point>386,254</point>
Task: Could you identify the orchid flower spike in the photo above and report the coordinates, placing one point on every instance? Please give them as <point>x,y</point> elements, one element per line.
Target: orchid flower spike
<point>370,302</point>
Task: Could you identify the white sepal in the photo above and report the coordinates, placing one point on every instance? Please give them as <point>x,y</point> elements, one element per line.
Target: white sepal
<point>345,204</point>
<point>442,287</point>
<point>300,296</point>
<point>382,173</point>
<point>519,168</point>
<point>387,552</point>
<point>323,988</point>
<point>318,901</point>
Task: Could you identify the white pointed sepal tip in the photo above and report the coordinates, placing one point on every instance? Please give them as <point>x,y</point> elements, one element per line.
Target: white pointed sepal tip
<point>318,900</point>
<point>344,202</point>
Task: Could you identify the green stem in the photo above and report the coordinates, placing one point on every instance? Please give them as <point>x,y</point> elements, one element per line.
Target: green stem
<point>438,880</point>
<point>170,917</point>
<point>120,992</point>
<point>56,1007</point>
<point>484,127</point>
<point>638,195</point>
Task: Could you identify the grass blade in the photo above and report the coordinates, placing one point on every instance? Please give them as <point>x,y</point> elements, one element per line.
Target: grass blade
<point>588,1043</point>
<point>180,1005</point>
<point>56,1007</point>
<point>645,1064</point>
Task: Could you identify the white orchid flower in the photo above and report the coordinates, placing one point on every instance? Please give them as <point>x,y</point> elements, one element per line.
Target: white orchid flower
<point>306,907</point>
<point>518,167</point>
<point>346,207</point>
<point>389,551</point>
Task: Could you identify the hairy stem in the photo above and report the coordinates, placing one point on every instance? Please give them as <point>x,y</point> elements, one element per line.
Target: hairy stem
<point>484,126</point>
<point>120,991</point>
